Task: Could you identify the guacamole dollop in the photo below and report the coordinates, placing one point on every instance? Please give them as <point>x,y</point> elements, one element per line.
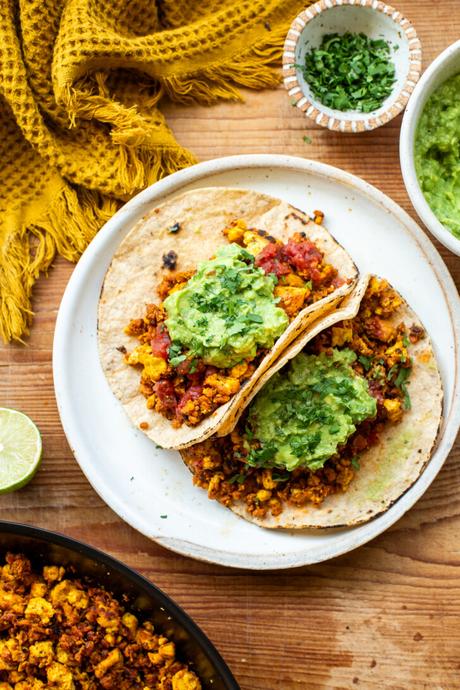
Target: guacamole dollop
<point>307,410</point>
<point>437,153</point>
<point>227,310</point>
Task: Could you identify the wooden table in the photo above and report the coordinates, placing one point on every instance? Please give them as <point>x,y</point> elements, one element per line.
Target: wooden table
<point>384,616</point>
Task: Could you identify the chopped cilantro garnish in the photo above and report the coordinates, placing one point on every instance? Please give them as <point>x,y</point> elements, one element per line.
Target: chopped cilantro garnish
<point>193,366</point>
<point>350,71</point>
<point>261,457</point>
<point>365,361</point>
<point>402,377</point>
<point>281,476</point>
<point>174,361</point>
<point>306,139</point>
<point>406,402</point>
<point>175,355</point>
<point>249,434</point>
<point>355,463</point>
<point>400,382</point>
<point>256,318</point>
<point>237,479</point>
<point>406,341</point>
<point>392,371</point>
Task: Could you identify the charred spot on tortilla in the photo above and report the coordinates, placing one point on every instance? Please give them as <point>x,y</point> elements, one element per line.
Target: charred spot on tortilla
<point>173,229</point>
<point>295,215</point>
<point>122,349</point>
<point>170,260</point>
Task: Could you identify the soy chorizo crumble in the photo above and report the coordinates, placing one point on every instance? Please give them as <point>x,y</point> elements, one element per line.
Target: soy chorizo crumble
<point>56,631</point>
<point>220,465</point>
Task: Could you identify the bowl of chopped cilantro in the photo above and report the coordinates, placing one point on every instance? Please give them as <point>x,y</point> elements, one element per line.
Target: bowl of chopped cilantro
<point>429,148</point>
<point>351,67</point>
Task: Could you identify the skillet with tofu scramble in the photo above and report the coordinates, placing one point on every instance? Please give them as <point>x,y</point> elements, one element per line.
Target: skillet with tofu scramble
<point>57,631</point>
<point>341,432</point>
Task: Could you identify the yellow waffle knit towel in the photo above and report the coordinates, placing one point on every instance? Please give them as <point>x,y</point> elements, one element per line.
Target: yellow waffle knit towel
<point>81,132</point>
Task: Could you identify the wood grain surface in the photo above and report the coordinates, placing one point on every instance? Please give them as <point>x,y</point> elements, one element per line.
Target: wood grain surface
<point>384,616</point>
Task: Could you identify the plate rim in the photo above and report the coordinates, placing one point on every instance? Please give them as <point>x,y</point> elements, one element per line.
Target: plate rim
<point>173,184</point>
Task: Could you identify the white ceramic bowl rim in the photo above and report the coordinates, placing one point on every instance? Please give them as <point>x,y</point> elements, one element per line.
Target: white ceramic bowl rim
<point>426,86</point>
<point>339,123</point>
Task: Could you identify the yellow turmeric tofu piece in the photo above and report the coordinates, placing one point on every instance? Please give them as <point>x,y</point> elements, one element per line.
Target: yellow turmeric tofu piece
<point>341,335</point>
<point>114,657</point>
<point>66,592</point>
<point>235,232</point>
<point>7,654</point>
<point>292,279</point>
<point>185,680</point>
<point>396,353</point>
<point>53,573</point>
<point>9,601</point>
<point>32,684</point>
<point>130,621</point>
<point>218,384</point>
<point>291,298</point>
<point>254,242</point>
<point>41,653</point>
<point>38,589</point>
<point>38,606</point>
<point>394,409</point>
<point>154,367</point>
<point>59,677</point>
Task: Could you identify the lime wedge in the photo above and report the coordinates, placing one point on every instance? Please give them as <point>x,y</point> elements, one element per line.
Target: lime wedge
<point>20,449</point>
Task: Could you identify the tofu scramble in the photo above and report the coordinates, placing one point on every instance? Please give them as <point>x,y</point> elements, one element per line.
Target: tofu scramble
<point>241,467</point>
<point>214,325</point>
<point>58,632</point>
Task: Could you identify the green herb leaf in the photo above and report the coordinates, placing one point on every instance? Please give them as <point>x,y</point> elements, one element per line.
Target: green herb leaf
<point>281,476</point>
<point>237,479</point>
<point>403,375</point>
<point>365,361</point>
<point>256,318</point>
<point>306,139</point>
<point>350,71</point>
<point>406,402</point>
<point>174,361</point>
<point>355,463</point>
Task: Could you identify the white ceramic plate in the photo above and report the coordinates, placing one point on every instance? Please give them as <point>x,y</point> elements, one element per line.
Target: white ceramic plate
<point>150,488</point>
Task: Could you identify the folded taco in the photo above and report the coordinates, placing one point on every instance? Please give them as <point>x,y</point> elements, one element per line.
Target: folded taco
<point>344,425</point>
<point>202,296</point>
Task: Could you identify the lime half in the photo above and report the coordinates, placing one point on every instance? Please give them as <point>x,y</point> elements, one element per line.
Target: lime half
<point>20,449</point>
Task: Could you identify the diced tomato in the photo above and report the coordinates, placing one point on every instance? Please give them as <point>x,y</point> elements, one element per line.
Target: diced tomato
<point>196,365</point>
<point>161,342</point>
<point>304,256</point>
<point>271,260</point>
<point>375,389</point>
<point>166,394</point>
<point>338,281</point>
<point>192,393</point>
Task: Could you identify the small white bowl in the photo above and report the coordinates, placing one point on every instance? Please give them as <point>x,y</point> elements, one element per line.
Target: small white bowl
<point>376,20</point>
<point>446,65</point>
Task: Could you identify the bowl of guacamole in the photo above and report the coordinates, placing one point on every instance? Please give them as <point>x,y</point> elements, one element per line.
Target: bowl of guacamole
<point>430,148</point>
